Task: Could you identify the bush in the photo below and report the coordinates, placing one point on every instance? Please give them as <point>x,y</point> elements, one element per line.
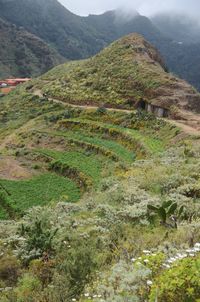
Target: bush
<point>29,289</point>
<point>101,111</point>
<point>122,283</point>
<point>9,270</point>
<point>181,283</point>
<point>38,240</point>
<point>43,271</point>
<point>75,266</point>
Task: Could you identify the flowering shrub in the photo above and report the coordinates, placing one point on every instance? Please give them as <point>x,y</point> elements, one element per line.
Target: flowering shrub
<point>124,282</point>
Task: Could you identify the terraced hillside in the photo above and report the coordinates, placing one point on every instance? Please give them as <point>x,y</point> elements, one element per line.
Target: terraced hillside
<point>59,152</point>
<point>86,193</point>
<point>96,204</point>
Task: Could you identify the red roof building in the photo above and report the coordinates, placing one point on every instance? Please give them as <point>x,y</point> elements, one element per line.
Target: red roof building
<point>15,81</point>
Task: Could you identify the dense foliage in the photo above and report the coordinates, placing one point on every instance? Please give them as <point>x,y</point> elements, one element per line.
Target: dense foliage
<point>24,54</point>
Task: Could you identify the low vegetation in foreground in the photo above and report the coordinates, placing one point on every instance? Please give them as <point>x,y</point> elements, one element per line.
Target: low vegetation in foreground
<point>98,206</point>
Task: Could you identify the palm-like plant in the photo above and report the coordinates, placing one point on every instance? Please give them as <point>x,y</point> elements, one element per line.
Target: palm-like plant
<point>167,211</point>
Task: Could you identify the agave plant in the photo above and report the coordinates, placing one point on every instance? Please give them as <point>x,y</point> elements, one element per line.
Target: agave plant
<point>167,211</point>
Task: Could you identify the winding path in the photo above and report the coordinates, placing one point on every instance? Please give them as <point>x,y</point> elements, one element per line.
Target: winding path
<point>39,93</point>
<point>189,125</point>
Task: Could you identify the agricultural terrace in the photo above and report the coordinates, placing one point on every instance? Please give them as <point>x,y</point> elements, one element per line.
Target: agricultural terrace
<point>66,152</point>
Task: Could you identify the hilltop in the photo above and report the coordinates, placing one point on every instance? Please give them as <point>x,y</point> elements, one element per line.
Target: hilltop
<point>24,54</point>
<point>129,73</point>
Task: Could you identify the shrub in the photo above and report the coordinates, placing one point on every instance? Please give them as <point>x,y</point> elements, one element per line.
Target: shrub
<point>101,111</point>
<point>122,283</point>
<point>181,283</point>
<point>9,270</point>
<point>28,289</point>
<point>166,212</point>
<point>190,190</point>
<point>76,265</point>
<point>38,240</point>
<point>42,270</point>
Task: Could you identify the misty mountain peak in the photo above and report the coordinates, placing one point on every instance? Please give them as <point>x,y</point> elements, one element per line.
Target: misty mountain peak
<point>124,15</point>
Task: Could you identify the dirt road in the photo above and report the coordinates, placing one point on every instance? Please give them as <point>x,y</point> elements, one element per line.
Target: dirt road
<point>189,125</point>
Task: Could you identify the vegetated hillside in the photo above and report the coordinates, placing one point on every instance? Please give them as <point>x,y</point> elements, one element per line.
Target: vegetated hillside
<point>185,62</point>
<point>76,37</point>
<point>113,25</point>
<point>96,205</point>
<point>185,34</point>
<point>23,54</point>
<point>73,36</point>
<point>53,23</point>
<point>126,74</point>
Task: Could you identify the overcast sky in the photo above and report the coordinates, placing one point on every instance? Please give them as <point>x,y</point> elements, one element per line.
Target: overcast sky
<point>145,7</point>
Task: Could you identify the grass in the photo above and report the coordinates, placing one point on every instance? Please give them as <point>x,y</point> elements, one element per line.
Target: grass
<point>87,164</point>
<point>3,213</point>
<point>39,191</point>
<point>118,76</point>
<point>19,107</point>
<point>152,145</point>
<point>114,147</point>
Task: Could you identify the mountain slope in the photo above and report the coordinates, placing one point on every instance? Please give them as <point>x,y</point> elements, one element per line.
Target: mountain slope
<point>127,73</point>
<point>73,36</point>
<point>76,37</point>
<point>49,20</point>
<point>99,205</point>
<point>185,61</point>
<point>182,53</point>
<point>179,27</point>
<point>115,24</point>
<point>23,54</point>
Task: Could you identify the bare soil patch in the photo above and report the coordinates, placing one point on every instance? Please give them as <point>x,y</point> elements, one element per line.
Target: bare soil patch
<point>11,169</point>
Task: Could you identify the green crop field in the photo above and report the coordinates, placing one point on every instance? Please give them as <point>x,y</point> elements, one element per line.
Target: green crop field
<point>39,190</point>
<point>3,213</point>
<point>91,159</point>
<point>87,164</point>
<point>151,144</point>
<point>93,142</point>
<point>118,149</point>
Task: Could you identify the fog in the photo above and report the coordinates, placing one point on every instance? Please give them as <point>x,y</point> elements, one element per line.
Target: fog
<point>144,7</point>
